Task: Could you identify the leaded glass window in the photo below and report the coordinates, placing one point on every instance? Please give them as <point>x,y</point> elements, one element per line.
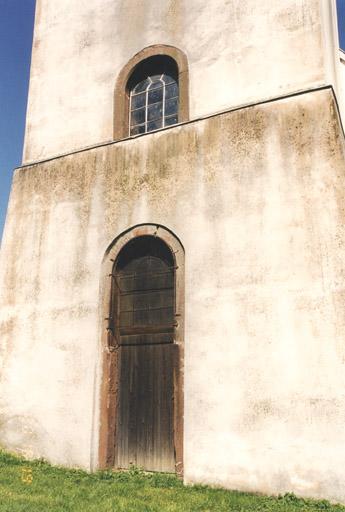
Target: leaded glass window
<point>153,104</point>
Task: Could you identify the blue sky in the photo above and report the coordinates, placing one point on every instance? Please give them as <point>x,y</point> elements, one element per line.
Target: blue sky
<point>341,22</point>
<point>16,25</point>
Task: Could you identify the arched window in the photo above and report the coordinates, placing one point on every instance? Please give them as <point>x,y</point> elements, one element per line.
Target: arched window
<point>151,92</point>
<point>153,95</point>
<point>153,104</point>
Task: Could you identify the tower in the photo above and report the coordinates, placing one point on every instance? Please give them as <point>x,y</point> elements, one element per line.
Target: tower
<point>172,261</point>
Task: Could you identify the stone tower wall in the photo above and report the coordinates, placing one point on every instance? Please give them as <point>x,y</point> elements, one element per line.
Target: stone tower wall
<point>239,52</point>
<point>256,198</point>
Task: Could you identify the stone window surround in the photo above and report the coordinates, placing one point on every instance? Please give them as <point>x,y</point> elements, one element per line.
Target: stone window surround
<point>121,96</point>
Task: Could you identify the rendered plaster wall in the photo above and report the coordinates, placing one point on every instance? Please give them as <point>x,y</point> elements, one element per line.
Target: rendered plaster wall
<point>239,51</point>
<point>256,197</point>
<point>341,97</point>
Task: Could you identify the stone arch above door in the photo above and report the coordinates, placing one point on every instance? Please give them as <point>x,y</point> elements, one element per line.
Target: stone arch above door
<point>110,350</point>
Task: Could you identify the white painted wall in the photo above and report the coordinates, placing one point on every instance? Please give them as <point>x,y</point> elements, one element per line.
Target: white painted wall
<point>239,51</point>
<point>256,197</point>
<point>341,89</point>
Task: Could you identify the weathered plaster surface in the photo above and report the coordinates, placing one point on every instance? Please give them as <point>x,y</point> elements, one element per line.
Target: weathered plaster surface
<point>256,198</point>
<point>239,51</point>
<point>341,97</point>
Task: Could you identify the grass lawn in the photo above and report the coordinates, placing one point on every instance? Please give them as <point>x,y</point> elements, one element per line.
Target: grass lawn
<point>36,486</point>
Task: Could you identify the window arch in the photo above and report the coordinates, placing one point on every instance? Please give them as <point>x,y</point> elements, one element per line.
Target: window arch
<point>153,99</point>
<point>151,91</point>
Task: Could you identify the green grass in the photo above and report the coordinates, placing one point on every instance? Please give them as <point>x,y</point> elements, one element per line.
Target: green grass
<point>37,486</point>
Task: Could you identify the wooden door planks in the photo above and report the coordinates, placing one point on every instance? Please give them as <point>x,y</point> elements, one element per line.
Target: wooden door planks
<point>146,407</point>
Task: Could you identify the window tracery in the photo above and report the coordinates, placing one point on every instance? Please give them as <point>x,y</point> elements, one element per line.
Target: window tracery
<point>153,103</point>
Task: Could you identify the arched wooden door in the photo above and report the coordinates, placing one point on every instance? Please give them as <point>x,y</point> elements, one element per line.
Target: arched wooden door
<point>143,304</point>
